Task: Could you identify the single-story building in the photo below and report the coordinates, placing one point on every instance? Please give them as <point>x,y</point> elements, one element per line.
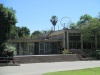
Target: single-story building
<point>53,43</point>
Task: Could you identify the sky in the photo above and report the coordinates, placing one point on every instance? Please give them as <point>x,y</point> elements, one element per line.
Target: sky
<point>36,14</point>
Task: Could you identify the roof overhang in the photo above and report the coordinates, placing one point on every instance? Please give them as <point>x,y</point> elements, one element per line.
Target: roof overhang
<point>32,40</point>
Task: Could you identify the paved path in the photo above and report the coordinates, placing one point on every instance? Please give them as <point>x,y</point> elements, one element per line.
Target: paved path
<point>40,68</point>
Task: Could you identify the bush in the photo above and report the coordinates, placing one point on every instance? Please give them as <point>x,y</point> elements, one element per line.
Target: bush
<point>98,54</point>
<point>95,54</point>
<point>8,52</point>
<point>10,48</point>
<point>92,54</point>
<point>65,51</point>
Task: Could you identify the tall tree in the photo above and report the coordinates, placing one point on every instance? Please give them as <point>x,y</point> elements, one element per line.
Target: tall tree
<point>23,32</point>
<point>54,20</point>
<point>91,31</point>
<point>84,19</point>
<point>7,19</point>
<point>13,33</point>
<point>35,34</point>
<point>72,26</point>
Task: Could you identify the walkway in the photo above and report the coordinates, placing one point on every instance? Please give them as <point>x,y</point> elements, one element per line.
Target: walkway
<point>40,68</point>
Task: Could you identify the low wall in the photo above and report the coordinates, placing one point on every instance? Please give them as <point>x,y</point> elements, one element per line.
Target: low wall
<point>48,58</point>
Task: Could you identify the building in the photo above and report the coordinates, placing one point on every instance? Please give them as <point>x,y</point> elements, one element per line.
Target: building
<point>53,43</point>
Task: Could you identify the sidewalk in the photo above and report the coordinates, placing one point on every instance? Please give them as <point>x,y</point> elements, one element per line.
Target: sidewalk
<point>40,68</point>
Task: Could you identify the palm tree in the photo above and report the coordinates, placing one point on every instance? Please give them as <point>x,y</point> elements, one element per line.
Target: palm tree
<point>54,20</point>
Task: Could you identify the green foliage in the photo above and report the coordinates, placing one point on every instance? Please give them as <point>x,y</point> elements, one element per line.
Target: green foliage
<point>8,30</point>
<point>22,32</point>
<point>35,34</point>
<point>95,54</point>
<point>9,48</point>
<point>91,29</point>
<point>65,51</point>
<point>73,26</point>
<point>7,20</point>
<point>13,33</point>
<point>92,54</point>
<point>89,71</point>
<point>54,20</point>
<point>84,19</point>
<point>9,51</point>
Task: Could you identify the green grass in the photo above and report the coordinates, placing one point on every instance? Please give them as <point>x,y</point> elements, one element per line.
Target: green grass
<point>89,71</point>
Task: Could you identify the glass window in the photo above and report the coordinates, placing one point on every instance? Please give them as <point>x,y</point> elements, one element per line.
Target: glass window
<point>74,33</point>
<point>78,34</point>
<point>41,45</point>
<point>78,45</point>
<point>70,45</point>
<point>41,51</point>
<point>70,34</point>
<point>47,48</point>
<point>74,45</point>
<point>74,38</point>
<point>87,45</point>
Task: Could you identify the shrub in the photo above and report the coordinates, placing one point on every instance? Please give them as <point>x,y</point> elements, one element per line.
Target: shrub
<point>92,54</point>
<point>8,52</point>
<point>10,48</point>
<point>65,51</point>
<point>98,54</point>
<point>95,54</point>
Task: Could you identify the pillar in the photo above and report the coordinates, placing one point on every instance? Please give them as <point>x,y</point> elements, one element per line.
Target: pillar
<point>67,37</point>
<point>19,48</point>
<point>27,47</point>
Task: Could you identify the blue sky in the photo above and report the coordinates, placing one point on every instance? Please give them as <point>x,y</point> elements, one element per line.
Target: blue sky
<point>36,14</point>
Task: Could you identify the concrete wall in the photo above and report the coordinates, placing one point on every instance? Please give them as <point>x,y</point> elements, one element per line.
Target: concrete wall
<point>48,58</point>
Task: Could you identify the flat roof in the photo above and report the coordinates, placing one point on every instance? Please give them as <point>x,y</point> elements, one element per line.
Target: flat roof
<point>32,40</point>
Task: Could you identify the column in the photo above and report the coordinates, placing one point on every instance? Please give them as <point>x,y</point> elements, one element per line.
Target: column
<point>39,47</point>
<point>67,41</point>
<point>19,48</point>
<point>64,40</point>
<point>27,47</point>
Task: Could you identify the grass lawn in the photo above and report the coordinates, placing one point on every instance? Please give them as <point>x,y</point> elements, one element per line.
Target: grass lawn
<point>89,71</point>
